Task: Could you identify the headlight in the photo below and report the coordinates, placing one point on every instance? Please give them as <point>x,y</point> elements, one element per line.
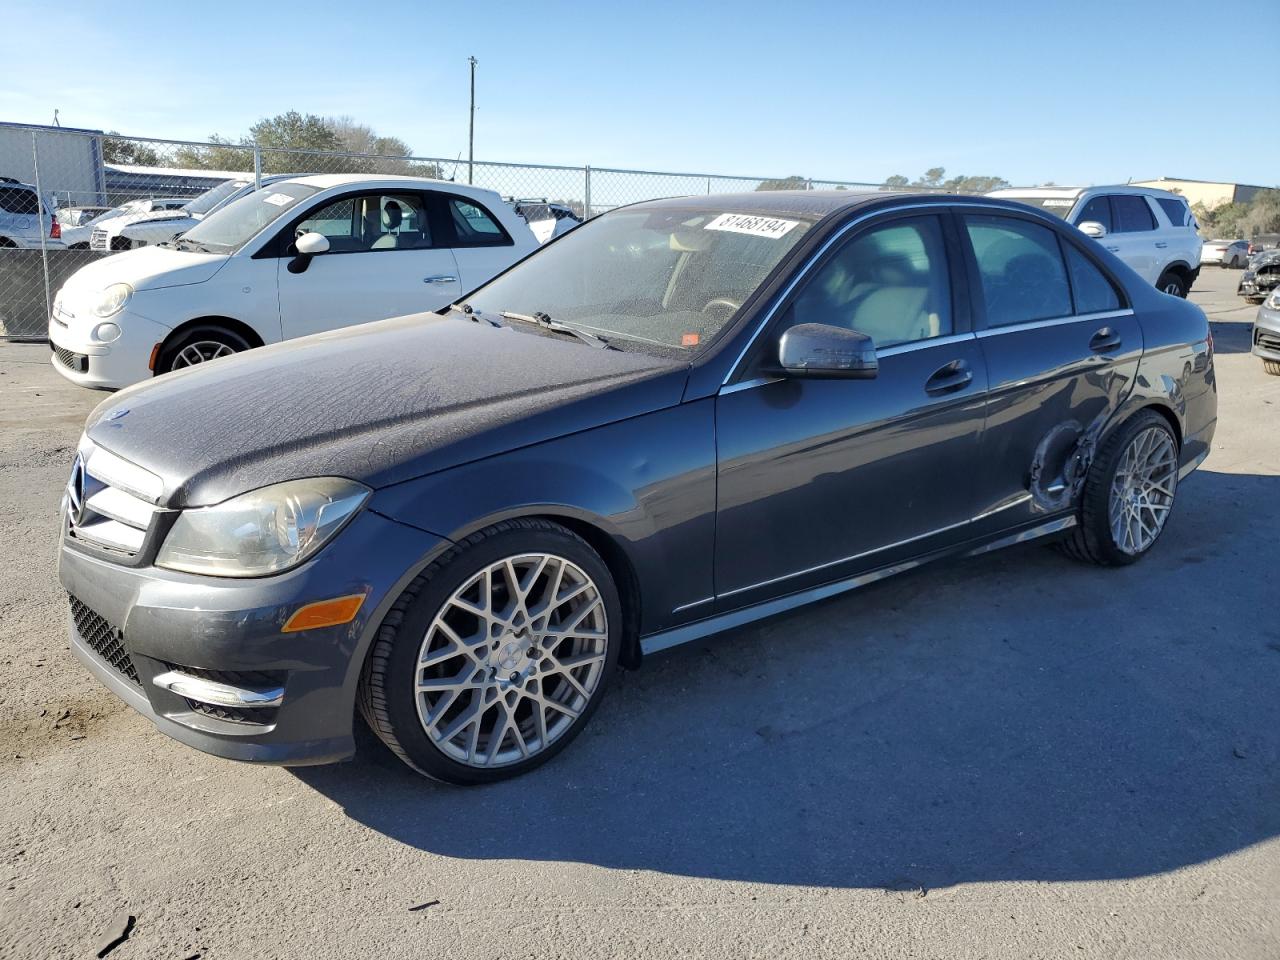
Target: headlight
<point>112,300</point>
<point>1273,301</point>
<point>263,531</point>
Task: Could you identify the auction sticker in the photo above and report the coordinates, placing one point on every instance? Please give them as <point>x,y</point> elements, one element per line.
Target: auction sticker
<point>279,199</point>
<point>752,226</point>
<point>1059,203</point>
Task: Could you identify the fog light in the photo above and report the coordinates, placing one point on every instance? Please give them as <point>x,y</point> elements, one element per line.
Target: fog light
<point>106,332</point>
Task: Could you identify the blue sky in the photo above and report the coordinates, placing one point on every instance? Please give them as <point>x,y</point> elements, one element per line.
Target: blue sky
<point>1030,91</point>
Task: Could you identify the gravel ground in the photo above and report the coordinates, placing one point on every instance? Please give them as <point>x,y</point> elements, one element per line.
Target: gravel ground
<point>1012,756</point>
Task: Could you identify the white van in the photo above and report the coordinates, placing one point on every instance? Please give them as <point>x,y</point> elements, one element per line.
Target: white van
<point>297,257</point>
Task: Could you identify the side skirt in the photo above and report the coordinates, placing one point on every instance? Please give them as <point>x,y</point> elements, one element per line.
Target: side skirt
<point>768,608</point>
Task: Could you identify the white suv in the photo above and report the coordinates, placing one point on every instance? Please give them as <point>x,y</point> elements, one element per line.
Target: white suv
<point>1153,231</point>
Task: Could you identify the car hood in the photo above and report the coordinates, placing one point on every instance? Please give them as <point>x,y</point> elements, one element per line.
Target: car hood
<point>164,227</point>
<point>148,268</point>
<point>379,403</point>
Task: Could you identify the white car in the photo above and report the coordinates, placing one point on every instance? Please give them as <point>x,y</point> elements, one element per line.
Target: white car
<point>76,237</point>
<point>27,220</point>
<point>547,220</point>
<point>1153,231</point>
<point>301,256</point>
<point>159,224</point>
<point>1225,253</point>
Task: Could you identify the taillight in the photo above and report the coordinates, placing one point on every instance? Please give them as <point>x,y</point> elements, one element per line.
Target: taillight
<point>55,228</point>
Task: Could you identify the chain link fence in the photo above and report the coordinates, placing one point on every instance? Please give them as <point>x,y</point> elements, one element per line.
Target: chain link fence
<point>69,197</point>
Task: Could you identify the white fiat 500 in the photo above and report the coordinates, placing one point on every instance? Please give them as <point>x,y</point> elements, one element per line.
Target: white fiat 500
<point>294,258</point>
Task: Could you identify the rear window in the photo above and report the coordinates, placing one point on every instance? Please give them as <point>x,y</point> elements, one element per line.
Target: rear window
<point>1058,206</point>
<point>19,200</point>
<point>1175,210</point>
<point>1132,215</point>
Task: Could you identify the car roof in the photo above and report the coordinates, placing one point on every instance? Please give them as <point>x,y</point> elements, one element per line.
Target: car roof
<point>325,181</point>
<point>805,204</point>
<point>1013,193</point>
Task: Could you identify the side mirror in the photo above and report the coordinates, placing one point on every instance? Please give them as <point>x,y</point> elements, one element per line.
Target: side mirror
<point>308,245</point>
<point>1092,228</point>
<point>819,350</point>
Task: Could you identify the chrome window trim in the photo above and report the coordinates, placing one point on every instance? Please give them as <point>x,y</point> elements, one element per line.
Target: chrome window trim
<point>913,345</point>
<point>1055,322</point>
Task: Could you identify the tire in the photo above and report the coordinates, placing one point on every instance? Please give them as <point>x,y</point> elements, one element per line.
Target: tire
<point>450,735</point>
<point>209,342</point>
<point>1272,367</point>
<point>1172,283</point>
<point>1094,539</point>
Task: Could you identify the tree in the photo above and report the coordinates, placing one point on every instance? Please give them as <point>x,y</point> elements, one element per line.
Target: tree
<point>786,183</point>
<point>116,149</point>
<point>222,155</point>
<point>897,180</point>
<point>933,180</point>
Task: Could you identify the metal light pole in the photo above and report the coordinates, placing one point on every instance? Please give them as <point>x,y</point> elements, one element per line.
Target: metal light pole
<point>471,135</point>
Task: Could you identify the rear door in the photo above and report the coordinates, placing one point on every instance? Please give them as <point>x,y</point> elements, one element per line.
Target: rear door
<point>384,260</point>
<point>482,247</point>
<point>1135,238</point>
<point>1061,346</point>
<point>819,480</point>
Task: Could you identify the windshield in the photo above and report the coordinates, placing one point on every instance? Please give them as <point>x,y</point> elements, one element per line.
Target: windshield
<point>668,277</point>
<point>211,198</point>
<point>1058,206</point>
<point>228,229</point>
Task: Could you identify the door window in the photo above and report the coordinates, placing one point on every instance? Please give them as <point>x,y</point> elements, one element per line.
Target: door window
<point>1132,214</point>
<point>1098,210</point>
<point>474,226</point>
<point>1023,276</point>
<point>18,200</point>
<point>889,282</point>
<point>1094,292</point>
<point>371,222</point>
<point>1175,210</point>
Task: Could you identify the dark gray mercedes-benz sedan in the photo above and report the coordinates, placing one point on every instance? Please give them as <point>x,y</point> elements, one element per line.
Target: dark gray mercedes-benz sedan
<point>680,417</point>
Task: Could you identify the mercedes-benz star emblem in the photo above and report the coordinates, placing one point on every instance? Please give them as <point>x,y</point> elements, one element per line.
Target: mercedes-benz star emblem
<point>75,492</point>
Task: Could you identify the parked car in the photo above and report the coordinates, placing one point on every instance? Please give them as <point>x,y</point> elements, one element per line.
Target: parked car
<point>1261,276</point>
<point>157,225</point>
<point>78,216</point>
<point>1153,231</point>
<point>681,417</point>
<point>77,237</point>
<point>1263,242</point>
<point>547,220</point>
<point>23,214</point>
<point>1225,253</point>
<point>299,256</point>
<point>1266,333</point>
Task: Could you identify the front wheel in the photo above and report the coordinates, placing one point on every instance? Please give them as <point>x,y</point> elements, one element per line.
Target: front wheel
<point>199,345</point>
<point>1128,494</point>
<point>1172,284</point>
<point>496,656</point>
<point>1272,367</point>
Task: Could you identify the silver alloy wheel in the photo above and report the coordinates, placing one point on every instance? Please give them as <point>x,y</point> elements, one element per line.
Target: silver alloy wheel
<point>1142,490</point>
<point>511,660</point>
<point>1173,288</point>
<point>200,352</point>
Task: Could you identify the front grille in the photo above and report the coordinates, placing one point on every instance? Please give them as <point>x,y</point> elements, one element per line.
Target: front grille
<point>259,716</point>
<point>1268,341</point>
<point>110,502</point>
<point>103,639</point>
<point>98,239</point>
<point>72,361</point>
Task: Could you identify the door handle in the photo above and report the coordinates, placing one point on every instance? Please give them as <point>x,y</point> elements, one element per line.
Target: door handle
<point>1104,340</point>
<point>442,278</point>
<point>956,375</point>
<point>1161,244</point>
<point>1114,249</point>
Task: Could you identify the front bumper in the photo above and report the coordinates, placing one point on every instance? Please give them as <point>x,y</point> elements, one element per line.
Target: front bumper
<point>1266,334</point>
<point>227,632</point>
<point>105,366</point>
<point>1255,286</point>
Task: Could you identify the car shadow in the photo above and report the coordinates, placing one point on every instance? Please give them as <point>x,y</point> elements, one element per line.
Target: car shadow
<point>1232,336</point>
<point>1010,717</point>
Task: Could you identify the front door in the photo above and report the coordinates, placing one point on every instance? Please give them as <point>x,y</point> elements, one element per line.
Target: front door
<point>822,479</point>
<point>383,261</point>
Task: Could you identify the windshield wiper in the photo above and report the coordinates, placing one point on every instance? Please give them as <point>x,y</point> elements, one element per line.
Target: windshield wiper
<point>546,323</point>
<point>472,314</point>
<point>191,244</point>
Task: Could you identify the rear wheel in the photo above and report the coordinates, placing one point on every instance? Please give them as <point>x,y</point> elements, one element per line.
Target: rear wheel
<point>1172,283</point>
<point>1272,367</point>
<point>496,656</point>
<point>199,345</point>
<point>1128,494</point>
